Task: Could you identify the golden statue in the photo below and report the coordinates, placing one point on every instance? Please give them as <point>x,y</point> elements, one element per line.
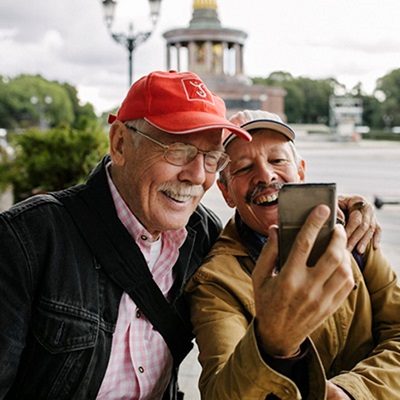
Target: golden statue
<point>201,4</point>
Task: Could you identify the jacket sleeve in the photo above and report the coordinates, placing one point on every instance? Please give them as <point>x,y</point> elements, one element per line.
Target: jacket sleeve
<point>232,366</point>
<point>15,299</point>
<point>377,375</point>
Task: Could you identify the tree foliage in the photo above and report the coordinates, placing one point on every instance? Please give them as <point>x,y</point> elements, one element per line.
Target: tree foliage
<point>5,167</point>
<point>32,101</point>
<point>54,159</point>
<point>389,85</point>
<point>307,100</point>
<point>84,114</point>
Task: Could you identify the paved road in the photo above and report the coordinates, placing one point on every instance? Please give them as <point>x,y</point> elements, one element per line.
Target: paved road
<point>369,168</point>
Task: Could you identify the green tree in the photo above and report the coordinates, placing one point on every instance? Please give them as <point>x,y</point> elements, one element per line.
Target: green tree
<point>84,115</point>
<point>307,100</point>
<point>389,85</point>
<point>5,168</point>
<point>28,101</point>
<point>54,159</point>
<point>372,111</point>
<point>34,101</point>
<point>317,93</point>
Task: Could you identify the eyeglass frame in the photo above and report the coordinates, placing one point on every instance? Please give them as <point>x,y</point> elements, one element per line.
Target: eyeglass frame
<point>167,147</point>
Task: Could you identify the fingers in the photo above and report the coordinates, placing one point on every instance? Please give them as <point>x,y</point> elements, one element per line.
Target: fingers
<point>341,282</point>
<point>377,236</point>
<point>357,216</point>
<point>306,237</point>
<point>340,217</point>
<point>362,225</point>
<point>336,257</point>
<point>267,259</point>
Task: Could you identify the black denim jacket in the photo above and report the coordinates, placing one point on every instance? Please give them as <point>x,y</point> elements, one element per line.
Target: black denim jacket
<point>58,306</point>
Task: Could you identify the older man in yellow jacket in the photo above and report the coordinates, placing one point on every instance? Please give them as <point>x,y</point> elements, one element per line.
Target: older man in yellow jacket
<point>327,332</point>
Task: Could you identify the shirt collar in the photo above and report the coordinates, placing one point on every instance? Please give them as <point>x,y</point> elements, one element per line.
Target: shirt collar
<point>252,240</point>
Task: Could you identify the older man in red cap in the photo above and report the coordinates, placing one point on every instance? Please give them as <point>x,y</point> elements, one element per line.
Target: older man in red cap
<point>91,277</point>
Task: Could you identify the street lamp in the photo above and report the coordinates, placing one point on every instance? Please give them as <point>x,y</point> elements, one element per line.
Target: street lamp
<point>130,40</point>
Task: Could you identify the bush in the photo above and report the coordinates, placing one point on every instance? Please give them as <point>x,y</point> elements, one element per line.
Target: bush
<point>54,159</point>
<point>381,135</point>
<point>5,169</point>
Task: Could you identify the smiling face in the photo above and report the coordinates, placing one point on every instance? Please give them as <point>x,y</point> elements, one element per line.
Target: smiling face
<point>162,196</point>
<point>255,174</point>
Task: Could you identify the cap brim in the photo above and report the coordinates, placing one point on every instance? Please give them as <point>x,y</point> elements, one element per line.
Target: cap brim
<point>270,124</point>
<point>181,123</point>
<point>265,124</point>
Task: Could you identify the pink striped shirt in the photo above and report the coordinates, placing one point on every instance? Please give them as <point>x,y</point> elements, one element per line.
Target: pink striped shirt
<point>140,364</point>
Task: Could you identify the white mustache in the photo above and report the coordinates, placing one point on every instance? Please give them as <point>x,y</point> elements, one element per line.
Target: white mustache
<point>182,189</point>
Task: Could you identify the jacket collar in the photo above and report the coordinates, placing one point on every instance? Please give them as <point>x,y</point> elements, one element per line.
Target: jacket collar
<point>252,240</point>
<point>240,241</point>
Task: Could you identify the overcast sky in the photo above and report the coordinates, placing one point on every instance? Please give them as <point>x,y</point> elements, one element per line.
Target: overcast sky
<point>66,40</point>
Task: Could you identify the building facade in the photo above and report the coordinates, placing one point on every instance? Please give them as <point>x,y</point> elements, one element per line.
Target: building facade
<point>216,54</point>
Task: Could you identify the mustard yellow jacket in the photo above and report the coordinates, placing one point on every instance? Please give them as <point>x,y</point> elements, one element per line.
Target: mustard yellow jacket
<point>358,348</point>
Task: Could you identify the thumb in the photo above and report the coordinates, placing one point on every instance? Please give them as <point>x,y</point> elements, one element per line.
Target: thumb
<point>266,261</point>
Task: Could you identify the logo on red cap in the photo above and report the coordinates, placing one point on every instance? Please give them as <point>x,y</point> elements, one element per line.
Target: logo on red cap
<point>195,89</point>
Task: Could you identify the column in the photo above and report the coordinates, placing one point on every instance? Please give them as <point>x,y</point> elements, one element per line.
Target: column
<point>192,56</point>
<point>237,59</point>
<point>208,59</point>
<point>178,56</point>
<point>168,56</point>
<point>225,58</point>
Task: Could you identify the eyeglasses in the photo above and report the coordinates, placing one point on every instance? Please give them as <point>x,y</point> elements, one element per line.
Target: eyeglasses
<point>180,154</point>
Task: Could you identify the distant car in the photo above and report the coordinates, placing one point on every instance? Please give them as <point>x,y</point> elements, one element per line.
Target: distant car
<point>396,129</point>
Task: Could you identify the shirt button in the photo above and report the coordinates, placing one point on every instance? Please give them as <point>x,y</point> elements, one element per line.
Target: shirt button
<point>143,237</point>
<point>141,369</point>
<point>138,314</point>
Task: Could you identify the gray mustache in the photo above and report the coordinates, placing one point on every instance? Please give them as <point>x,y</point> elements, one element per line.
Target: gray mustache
<point>182,189</point>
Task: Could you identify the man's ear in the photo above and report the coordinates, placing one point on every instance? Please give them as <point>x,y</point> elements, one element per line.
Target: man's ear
<point>225,192</point>
<point>301,170</point>
<point>118,139</point>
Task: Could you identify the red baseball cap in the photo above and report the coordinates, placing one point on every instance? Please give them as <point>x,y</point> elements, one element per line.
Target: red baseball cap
<point>177,103</point>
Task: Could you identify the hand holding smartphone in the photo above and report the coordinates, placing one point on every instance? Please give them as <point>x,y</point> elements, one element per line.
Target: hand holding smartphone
<point>295,202</point>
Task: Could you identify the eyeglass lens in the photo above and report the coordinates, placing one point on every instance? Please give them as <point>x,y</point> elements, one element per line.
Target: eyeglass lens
<point>182,154</point>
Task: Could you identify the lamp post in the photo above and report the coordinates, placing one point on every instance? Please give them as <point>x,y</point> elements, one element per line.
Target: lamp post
<point>132,39</point>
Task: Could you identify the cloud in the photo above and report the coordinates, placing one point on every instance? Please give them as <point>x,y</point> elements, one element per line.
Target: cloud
<point>377,46</point>
<point>67,40</point>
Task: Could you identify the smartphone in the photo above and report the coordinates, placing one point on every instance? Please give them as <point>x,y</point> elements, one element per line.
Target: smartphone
<point>295,202</point>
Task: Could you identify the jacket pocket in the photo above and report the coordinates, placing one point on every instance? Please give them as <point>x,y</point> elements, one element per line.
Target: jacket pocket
<point>58,353</point>
<point>61,328</point>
